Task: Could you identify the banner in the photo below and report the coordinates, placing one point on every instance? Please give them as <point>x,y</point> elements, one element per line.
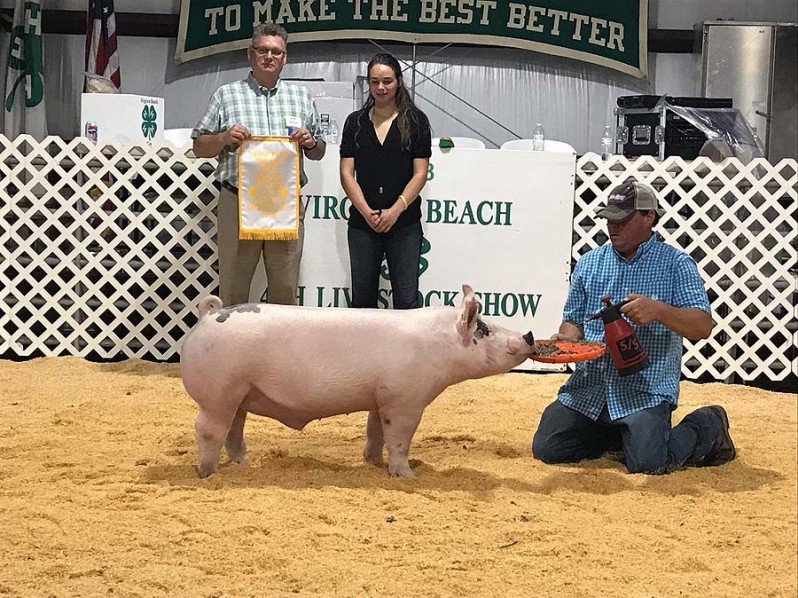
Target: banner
<point>268,189</point>
<point>611,33</point>
<point>24,94</point>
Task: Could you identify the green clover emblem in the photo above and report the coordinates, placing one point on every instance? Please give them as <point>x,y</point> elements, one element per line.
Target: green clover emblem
<point>148,125</point>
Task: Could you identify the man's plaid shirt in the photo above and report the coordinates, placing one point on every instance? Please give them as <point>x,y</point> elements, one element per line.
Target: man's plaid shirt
<point>262,111</point>
<point>658,271</point>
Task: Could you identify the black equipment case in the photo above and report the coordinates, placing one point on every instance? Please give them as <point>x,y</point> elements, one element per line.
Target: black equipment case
<point>645,126</point>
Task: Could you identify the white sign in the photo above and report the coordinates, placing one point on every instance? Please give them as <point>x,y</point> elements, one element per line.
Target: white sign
<point>498,220</point>
<point>122,117</point>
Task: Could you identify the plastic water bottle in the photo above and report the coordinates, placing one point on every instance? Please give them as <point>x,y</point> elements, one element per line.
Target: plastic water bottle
<point>606,143</point>
<point>332,137</point>
<point>538,138</point>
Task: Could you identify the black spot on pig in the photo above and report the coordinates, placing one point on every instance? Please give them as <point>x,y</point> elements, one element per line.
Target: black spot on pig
<point>482,329</point>
<point>225,312</point>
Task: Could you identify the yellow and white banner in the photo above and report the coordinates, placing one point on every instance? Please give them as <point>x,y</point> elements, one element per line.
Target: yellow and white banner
<point>268,189</point>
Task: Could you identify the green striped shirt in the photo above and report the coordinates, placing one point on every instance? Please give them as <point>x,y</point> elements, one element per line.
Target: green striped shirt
<point>262,111</point>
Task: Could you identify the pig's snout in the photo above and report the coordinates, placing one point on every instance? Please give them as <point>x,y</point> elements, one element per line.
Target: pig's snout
<point>529,338</point>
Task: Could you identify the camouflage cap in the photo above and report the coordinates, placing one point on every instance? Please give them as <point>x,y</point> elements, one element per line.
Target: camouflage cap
<point>627,198</point>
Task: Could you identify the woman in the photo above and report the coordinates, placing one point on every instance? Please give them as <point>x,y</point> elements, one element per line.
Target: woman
<point>385,151</point>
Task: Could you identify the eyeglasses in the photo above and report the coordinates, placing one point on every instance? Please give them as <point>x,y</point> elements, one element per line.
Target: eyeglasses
<point>262,52</point>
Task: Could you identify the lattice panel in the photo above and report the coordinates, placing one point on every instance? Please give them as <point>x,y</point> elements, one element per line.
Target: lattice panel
<point>739,224</point>
<point>104,249</point>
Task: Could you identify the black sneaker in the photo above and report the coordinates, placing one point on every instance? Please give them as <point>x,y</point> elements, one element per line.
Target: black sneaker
<point>724,450</point>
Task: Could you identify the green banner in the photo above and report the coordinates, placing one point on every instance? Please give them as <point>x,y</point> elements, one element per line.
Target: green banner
<point>611,33</point>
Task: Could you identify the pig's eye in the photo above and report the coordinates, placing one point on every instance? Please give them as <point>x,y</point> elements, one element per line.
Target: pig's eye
<point>482,329</point>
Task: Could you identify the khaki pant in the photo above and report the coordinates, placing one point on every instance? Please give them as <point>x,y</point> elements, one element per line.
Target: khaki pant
<point>238,259</point>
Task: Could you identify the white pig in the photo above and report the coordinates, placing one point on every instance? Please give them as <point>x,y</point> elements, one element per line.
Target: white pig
<point>297,364</point>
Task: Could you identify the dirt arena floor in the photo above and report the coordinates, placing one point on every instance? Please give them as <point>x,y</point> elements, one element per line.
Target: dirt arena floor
<point>99,497</point>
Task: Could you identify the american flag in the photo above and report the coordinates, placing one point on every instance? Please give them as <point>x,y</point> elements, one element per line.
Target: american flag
<point>101,55</point>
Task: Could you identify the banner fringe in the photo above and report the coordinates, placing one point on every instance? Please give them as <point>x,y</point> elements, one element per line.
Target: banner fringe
<point>268,235</point>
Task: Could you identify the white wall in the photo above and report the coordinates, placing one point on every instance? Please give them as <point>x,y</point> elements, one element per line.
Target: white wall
<point>683,14</point>
<point>517,88</point>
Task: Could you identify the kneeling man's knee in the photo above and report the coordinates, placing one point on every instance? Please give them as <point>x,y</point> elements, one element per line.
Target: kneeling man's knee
<point>543,450</point>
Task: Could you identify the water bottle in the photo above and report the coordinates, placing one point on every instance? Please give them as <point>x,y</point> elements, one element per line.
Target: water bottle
<point>333,136</point>
<point>538,138</point>
<point>606,143</point>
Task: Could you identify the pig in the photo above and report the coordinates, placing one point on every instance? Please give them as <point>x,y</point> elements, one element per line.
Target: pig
<point>298,364</point>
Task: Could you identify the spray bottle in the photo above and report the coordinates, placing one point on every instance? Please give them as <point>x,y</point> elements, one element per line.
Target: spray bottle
<point>627,353</point>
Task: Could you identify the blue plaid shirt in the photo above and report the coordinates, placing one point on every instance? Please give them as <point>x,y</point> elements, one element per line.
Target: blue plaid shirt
<point>658,271</point>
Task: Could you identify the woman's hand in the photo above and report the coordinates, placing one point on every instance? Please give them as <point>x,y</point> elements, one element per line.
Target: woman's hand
<point>383,220</point>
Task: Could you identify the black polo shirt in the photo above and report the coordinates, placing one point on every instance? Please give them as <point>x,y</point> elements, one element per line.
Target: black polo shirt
<point>383,169</point>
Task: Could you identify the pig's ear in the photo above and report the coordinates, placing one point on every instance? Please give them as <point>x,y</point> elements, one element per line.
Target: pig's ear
<point>467,323</point>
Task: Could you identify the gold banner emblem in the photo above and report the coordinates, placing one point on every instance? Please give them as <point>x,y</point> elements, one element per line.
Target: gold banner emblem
<point>268,189</point>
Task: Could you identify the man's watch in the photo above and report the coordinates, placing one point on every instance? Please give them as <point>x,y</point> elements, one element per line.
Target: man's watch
<point>315,143</point>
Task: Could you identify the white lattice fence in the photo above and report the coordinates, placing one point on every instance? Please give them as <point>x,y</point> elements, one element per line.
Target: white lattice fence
<point>105,249</point>
<point>739,224</point>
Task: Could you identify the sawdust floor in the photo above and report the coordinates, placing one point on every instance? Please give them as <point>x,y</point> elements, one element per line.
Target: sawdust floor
<point>99,497</point>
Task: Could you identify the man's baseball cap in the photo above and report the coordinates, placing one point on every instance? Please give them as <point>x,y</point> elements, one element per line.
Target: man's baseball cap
<point>627,198</point>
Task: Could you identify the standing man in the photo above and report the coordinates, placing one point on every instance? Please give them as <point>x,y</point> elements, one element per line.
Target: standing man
<point>597,410</point>
<point>261,104</point>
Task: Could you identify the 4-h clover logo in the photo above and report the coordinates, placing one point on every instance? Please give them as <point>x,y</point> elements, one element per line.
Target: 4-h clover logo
<point>148,124</point>
<point>25,61</point>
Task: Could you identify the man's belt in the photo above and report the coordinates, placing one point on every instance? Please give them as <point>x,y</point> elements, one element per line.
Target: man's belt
<point>230,187</point>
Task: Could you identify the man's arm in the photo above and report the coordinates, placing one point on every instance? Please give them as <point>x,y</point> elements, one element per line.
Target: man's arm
<point>209,145</point>
<point>690,322</point>
<point>316,152</point>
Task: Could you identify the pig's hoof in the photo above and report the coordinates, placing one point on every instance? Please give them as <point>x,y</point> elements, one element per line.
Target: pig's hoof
<point>374,459</point>
<point>401,471</point>
<point>205,472</point>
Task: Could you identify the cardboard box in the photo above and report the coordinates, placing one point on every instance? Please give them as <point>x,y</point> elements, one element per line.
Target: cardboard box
<point>123,117</point>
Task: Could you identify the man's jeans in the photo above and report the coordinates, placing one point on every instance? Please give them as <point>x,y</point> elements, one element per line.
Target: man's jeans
<point>646,437</point>
<point>402,251</point>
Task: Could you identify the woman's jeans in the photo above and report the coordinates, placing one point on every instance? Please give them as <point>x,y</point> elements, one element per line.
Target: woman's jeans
<point>646,438</point>
<point>402,250</point>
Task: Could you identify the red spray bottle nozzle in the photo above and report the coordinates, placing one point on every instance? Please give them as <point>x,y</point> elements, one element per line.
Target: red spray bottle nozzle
<point>608,305</point>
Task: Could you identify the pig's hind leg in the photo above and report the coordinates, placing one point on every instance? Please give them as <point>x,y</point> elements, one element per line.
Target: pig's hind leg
<point>211,432</point>
<point>374,440</point>
<point>217,423</point>
<point>234,443</point>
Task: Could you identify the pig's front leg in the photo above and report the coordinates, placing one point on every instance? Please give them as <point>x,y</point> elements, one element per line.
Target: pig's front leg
<point>374,440</point>
<point>398,426</point>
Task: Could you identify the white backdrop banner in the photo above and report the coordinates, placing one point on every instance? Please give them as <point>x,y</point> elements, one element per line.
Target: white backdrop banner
<point>500,221</point>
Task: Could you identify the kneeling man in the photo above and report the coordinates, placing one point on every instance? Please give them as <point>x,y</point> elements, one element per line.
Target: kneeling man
<point>597,410</point>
